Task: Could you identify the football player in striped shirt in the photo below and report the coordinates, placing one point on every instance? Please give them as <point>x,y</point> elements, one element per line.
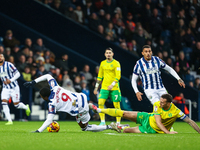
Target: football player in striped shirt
<point>148,69</point>
<point>109,74</point>
<point>9,75</point>
<point>161,120</point>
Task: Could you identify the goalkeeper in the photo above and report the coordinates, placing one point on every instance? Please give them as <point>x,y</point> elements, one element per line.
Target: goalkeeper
<point>110,73</point>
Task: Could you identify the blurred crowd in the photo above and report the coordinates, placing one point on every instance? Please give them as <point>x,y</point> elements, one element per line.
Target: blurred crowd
<point>170,27</point>
<point>35,60</point>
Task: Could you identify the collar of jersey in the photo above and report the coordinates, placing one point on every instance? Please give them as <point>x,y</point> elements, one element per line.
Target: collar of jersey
<point>146,61</point>
<point>110,61</point>
<point>168,109</point>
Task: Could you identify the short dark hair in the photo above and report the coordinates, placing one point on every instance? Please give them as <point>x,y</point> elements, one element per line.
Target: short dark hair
<point>110,49</point>
<point>168,97</point>
<point>145,46</point>
<point>45,92</point>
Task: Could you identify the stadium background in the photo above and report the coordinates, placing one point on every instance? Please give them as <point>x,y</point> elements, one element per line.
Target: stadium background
<point>28,18</point>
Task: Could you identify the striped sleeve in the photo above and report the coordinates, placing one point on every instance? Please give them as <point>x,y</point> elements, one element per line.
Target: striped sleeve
<point>136,69</point>
<point>12,67</point>
<point>162,63</point>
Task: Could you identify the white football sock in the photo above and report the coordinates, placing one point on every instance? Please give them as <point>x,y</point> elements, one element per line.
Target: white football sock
<point>96,128</point>
<point>6,111</point>
<point>21,106</point>
<point>98,110</point>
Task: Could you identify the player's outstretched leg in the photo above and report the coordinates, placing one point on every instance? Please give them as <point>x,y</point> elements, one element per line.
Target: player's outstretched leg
<point>115,127</point>
<point>101,103</point>
<point>20,105</point>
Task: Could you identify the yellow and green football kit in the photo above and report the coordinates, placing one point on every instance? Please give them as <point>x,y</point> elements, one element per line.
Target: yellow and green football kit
<point>109,72</point>
<point>168,117</point>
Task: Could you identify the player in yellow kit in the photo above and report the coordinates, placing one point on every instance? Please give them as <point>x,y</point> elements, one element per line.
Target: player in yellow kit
<point>110,73</point>
<point>161,120</point>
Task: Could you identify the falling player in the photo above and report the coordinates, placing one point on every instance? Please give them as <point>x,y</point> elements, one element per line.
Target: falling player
<point>63,100</point>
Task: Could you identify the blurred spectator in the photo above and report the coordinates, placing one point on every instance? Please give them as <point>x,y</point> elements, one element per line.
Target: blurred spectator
<point>135,7</point>
<point>85,90</point>
<point>79,14</point>
<point>129,19</point>
<point>39,46</point>
<point>191,84</point>
<point>22,63</point>
<point>41,71</point>
<point>30,63</point>
<point>53,71</point>
<point>16,53</point>
<point>73,73</point>
<point>101,15</point>
<point>189,38</point>
<point>178,71</point>
<point>63,63</point>
<point>33,73</point>
<point>9,40</point>
<point>196,57</point>
<point>180,102</point>
<point>188,77</point>
<point>59,77</point>
<point>106,20</point>
<point>94,22</point>
<point>69,86</point>
<point>181,26</point>
<point>170,62</point>
<point>77,84</point>
<point>71,14</point>
<point>26,52</point>
<point>86,73</point>
<point>57,6</point>
<point>100,30</point>
<point>169,21</point>
<point>26,74</point>
<point>129,31</point>
<point>87,11</point>
<point>28,43</point>
<point>162,46</point>
<point>197,83</point>
<point>40,61</point>
<point>47,64</point>
<point>119,31</point>
<point>119,12</point>
<point>156,24</point>
<point>181,15</point>
<point>50,55</point>
<point>95,74</point>
<point>123,45</point>
<point>182,63</point>
<point>1,49</point>
<point>109,6</point>
<point>110,31</point>
<point>192,13</point>
<point>11,59</point>
<point>139,37</point>
<point>7,53</point>
<point>147,13</point>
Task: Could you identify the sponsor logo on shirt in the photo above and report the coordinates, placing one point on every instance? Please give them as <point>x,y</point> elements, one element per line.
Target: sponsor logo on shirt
<point>151,70</point>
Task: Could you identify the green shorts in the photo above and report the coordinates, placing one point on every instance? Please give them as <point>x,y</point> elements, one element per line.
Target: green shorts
<point>143,119</point>
<point>115,95</point>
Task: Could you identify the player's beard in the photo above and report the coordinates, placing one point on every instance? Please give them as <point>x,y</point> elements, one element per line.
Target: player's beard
<point>1,61</point>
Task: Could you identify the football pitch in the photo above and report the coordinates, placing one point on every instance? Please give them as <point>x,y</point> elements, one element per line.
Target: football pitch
<point>19,137</point>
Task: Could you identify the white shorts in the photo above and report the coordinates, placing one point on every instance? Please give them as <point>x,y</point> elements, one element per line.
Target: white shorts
<point>83,115</point>
<point>14,93</point>
<point>154,94</point>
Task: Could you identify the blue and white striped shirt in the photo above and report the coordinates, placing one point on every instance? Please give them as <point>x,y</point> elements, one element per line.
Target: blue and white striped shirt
<point>149,72</point>
<point>7,71</point>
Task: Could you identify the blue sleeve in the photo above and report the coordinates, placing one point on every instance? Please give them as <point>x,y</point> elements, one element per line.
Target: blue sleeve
<point>136,69</point>
<point>52,83</point>
<point>162,63</point>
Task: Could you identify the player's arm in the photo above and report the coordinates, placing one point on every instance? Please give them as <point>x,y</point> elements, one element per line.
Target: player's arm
<point>49,120</point>
<point>117,76</point>
<point>161,126</point>
<point>192,124</point>
<point>134,85</point>
<point>42,78</point>
<point>99,79</point>
<point>174,74</point>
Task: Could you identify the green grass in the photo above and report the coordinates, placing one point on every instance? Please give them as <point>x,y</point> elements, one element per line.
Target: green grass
<point>70,136</point>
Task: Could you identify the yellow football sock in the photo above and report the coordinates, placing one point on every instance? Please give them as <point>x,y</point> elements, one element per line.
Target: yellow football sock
<point>113,112</point>
<point>117,106</point>
<point>101,105</point>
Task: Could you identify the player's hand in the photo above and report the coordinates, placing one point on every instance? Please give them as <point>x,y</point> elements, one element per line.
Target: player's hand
<point>181,83</point>
<point>95,91</point>
<point>172,132</point>
<point>28,84</point>
<point>110,87</point>
<point>139,96</point>
<point>7,81</point>
<point>35,131</point>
